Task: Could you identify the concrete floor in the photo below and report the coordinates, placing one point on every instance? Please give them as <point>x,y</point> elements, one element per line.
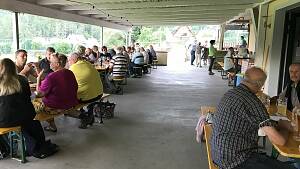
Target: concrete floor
<point>153,127</point>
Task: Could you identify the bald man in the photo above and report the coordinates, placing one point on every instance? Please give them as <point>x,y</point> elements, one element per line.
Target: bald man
<point>239,115</point>
<point>292,90</point>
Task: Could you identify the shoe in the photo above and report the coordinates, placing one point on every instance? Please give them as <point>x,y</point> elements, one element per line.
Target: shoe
<point>83,125</point>
<point>211,73</point>
<point>51,129</point>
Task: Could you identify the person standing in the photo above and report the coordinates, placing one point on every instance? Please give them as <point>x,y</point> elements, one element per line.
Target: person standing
<point>198,54</point>
<point>212,51</point>
<point>243,42</point>
<point>193,50</point>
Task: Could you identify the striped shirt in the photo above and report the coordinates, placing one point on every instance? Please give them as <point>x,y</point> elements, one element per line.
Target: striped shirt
<point>119,63</point>
<point>235,127</point>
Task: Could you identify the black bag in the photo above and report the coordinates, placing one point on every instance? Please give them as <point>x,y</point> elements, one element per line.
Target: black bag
<point>4,147</point>
<point>109,109</point>
<point>106,110</point>
<point>46,150</point>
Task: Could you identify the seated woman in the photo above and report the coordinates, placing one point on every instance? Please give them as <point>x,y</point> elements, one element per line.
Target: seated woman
<point>16,109</point>
<point>229,65</point>
<point>59,89</point>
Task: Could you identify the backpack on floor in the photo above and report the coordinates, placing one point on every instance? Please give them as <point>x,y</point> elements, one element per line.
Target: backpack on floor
<point>106,110</point>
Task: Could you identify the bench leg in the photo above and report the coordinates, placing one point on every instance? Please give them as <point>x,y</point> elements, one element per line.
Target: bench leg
<point>20,138</point>
<point>23,156</point>
<point>274,153</point>
<point>11,144</point>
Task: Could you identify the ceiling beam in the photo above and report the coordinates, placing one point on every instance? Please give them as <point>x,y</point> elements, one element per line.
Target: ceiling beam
<point>179,15</point>
<point>147,4</point>
<point>179,23</point>
<point>55,2</point>
<point>172,1</point>
<point>24,7</point>
<point>81,7</point>
<point>181,9</point>
<point>91,12</point>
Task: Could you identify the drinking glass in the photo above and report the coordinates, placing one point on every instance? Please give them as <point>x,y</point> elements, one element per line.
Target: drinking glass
<point>282,106</point>
<point>295,124</point>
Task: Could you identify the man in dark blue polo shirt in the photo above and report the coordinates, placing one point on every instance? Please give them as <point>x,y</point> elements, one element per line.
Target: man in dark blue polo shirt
<point>45,63</point>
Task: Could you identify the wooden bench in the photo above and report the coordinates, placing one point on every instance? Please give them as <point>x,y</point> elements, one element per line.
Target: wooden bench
<point>45,116</point>
<point>119,82</point>
<point>15,131</point>
<point>223,72</point>
<point>207,133</point>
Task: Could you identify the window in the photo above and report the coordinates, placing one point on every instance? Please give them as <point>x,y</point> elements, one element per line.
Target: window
<point>37,33</point>
<point>6,34</point>
<point>114,38</point>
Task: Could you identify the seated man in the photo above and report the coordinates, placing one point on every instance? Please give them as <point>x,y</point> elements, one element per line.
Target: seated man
<point>59,88</point>
<point>104,55</point>
<point>292,90</point>
<point>239,115</point>
<point>90,55</point>
<point>229,65</point>
<point>137,60</point>
<point>292,93</point>
<point>23,68</point>
<point>90,87</point>
<point>117,69</point>
<point>44,64</point>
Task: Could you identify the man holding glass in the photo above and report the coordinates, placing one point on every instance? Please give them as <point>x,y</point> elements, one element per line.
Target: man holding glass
<point>291,93</point>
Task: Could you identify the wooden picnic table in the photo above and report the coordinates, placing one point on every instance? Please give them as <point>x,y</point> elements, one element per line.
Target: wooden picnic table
<point>291,148</point>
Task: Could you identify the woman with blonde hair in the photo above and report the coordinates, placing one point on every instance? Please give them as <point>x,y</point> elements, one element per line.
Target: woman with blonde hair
<point>16,109</point>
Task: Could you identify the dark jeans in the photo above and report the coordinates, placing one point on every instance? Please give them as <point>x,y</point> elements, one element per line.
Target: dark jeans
<point>192,57</point>
<point>260,161</point>
<point>89,113</point>
<point>91,100</point>
<point>34,130</point>
<point>211,63</point>
<point>131,65</point>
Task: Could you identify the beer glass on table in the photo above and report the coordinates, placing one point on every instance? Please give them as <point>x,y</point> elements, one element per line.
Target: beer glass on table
<point>295,123</point>
<point>282,106</point>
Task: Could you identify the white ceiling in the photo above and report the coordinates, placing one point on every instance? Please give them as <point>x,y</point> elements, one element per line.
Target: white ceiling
<point>152,12</point>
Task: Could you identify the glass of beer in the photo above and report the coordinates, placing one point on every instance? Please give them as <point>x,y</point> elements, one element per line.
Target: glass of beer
<point>295,124</point>
<point>282,106</point>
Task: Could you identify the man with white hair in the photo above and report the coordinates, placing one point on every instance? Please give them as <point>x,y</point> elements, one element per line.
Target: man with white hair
<point>90,87</point>
<point>137,60</point>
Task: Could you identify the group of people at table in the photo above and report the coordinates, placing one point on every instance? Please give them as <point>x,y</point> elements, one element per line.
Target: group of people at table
<point>211,52</point>
<point>60,89</point>
<point>239,116</point>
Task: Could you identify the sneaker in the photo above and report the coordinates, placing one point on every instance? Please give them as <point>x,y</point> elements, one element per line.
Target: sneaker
<point>211,73</point>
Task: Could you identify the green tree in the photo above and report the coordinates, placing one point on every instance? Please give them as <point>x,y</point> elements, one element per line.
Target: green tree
<point>136,31</point>
<point>63,47</point>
